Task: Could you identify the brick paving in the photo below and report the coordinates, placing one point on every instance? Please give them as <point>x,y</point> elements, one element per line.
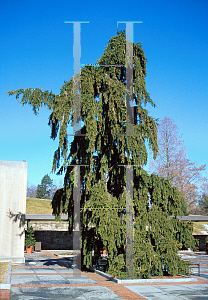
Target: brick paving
<point>88,285</point>
<point>5,294</point>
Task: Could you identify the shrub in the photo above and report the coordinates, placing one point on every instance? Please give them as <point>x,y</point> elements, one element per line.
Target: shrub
<point>30,237</point>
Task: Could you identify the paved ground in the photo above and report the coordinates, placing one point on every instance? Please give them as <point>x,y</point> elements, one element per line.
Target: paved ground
<point>44,276</point>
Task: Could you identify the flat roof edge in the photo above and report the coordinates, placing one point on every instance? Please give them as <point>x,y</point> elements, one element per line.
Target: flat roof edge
<point>44,217</point>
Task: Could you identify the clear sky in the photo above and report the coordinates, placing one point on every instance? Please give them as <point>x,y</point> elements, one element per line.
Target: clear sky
<point>37,51</point>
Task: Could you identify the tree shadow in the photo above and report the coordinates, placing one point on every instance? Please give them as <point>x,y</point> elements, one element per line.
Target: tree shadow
<point>19,217</point>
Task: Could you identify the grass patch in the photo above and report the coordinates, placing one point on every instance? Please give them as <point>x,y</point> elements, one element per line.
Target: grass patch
<point>38,206</point>
<point>198,227</point>
<point>3,272</point>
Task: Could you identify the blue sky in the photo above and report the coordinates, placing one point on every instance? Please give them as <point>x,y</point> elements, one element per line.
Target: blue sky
<point>37,51</point>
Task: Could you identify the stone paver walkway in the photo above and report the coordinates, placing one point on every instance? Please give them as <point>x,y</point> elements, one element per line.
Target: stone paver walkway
<point>44,276</point>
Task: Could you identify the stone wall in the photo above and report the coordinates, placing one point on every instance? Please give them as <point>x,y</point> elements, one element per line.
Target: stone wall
<point>54,226</point>
<point>53,235</point>
<point>54,240</point>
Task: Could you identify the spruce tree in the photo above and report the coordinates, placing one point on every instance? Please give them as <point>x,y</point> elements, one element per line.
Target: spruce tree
<point>104,147</point>
<point>44,189</point>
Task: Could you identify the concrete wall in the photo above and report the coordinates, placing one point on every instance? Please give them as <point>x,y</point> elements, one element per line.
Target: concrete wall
<point>13,186</point>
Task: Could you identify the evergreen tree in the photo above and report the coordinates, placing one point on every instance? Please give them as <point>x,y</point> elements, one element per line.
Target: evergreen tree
<point>157,237</point>
<point>44,189</point>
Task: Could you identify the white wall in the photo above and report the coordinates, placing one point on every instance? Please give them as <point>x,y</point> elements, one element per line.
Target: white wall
<point>13,186</point>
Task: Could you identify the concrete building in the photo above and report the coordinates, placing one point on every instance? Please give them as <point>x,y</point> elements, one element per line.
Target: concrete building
<point>13,186</point>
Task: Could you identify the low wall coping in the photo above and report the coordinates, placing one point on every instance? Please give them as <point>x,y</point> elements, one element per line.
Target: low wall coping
<point>34,217</point>
<point>194,218</point>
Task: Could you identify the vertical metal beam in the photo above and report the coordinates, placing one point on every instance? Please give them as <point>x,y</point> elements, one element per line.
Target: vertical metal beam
<point>129,80</point>
<point>129,223</point>
<point>129,132</point>
<point>77,132</point>
<point>77,224</point>
<point>129,77</point>
<point>77,77</point>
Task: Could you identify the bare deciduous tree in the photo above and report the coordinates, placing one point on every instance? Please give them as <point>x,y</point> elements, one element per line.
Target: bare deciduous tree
<point>31,190</point>
<point>172,162</point>
<point>203,200</point>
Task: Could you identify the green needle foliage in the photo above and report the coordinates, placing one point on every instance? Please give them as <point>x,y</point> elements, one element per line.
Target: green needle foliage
<point>30,237</point>
<point>157,236</point>
<point>44,189</point>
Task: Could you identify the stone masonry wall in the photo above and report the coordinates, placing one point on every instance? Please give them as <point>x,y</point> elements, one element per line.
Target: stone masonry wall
<point>53,235</point>
<point>54,226</point>
<point>54,240</point>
